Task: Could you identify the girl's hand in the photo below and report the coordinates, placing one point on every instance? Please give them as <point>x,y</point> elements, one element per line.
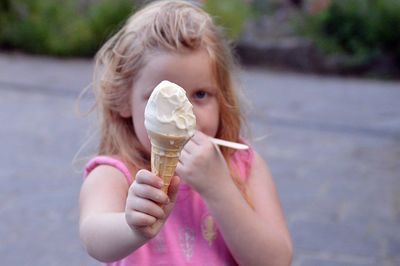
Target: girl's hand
<point>202,165</point>
<point>147,206</point>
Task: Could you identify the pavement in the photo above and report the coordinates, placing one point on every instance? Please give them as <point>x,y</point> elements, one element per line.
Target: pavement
<point>332,144</point>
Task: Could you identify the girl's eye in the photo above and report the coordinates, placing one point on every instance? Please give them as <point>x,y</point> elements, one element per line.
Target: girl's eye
<point>200,95</point>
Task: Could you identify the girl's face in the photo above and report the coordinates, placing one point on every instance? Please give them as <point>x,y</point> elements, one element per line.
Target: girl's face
<point>191,71</point>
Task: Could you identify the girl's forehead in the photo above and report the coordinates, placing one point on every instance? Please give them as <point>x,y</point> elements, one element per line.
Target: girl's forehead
<point>189,70</point>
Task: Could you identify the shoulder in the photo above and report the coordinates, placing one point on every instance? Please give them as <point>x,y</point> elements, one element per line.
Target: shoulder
<point>104,172</point>
<point>99,163</point>
<point>104,179</point>
<point>104,188</point>
<point>106,175</point>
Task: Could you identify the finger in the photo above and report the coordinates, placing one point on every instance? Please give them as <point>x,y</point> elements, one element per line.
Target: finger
<point>196,137</point>
<point>146,177</point>
<point>147,207</point>
<point>184,166</point>
<point>184,155</point>
<point>217,149</point>
<point>147,231</point>
<point>199,137</point>
<point>140,219</point>
<point>190,146</point>
<point>151,193</point>
<point>174,188</point>
<point>172,193</point>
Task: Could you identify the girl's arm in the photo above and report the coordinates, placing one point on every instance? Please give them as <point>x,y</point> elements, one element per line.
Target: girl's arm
<point>259,236</point>
<point>256,236</point>
<point>113,222</point>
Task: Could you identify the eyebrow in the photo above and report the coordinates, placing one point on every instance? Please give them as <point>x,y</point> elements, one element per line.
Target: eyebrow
<point>208,86</point>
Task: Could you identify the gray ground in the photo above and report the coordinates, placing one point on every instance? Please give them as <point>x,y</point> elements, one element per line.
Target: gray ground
<point>333,146</point>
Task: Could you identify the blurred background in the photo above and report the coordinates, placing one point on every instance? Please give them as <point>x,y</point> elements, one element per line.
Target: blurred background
<point>319,36</point>
<point>322,77</point>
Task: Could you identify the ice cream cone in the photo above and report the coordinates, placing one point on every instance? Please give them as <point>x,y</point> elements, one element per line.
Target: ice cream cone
<point>165,151</point>
<point>170,123</point>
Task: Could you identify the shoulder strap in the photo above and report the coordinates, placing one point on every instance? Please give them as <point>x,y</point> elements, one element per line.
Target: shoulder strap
<point>106,160</point>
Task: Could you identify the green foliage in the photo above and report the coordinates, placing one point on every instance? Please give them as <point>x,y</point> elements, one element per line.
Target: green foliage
<point>67,28</point>
<point>362,29</point>
<point>60,27</point>
<point>230,14</point>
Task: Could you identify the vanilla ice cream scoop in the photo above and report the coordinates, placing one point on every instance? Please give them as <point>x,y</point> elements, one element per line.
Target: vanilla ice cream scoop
<point>169,112</point>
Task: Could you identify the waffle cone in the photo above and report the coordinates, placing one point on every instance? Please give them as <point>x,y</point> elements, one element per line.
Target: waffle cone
<point>165,151</point>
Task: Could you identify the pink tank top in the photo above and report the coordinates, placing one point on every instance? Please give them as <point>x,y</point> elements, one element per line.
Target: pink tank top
<point>190,236</point>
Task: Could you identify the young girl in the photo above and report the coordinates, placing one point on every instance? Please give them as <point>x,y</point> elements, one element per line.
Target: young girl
<point>222,208</point>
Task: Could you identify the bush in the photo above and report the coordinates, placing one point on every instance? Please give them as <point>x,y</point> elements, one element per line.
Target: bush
<point>60,27</point>
<point>362,29</point>
<point>230,14</point>
<point>67,28</point>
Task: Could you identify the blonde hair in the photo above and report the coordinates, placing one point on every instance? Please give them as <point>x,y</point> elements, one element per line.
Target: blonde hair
<point>170,26</point>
